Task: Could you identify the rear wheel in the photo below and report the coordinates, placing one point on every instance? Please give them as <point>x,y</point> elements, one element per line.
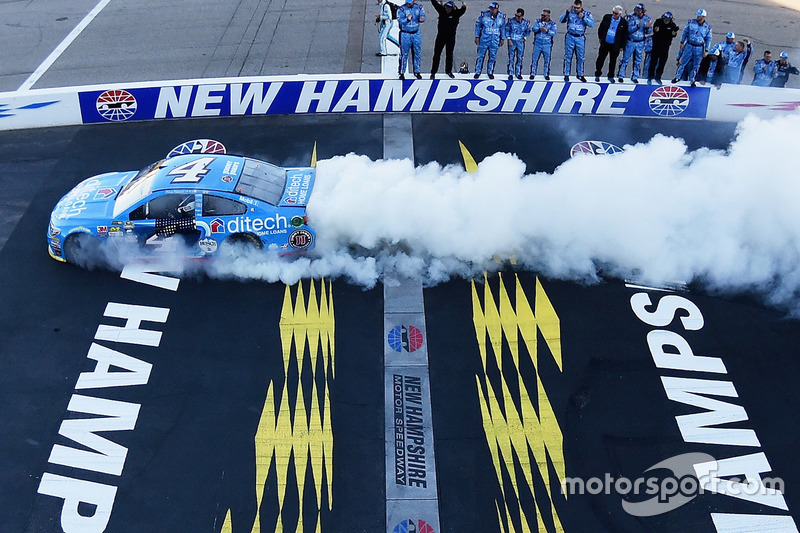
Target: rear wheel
<point>239,245</point>
<point>83,250</point>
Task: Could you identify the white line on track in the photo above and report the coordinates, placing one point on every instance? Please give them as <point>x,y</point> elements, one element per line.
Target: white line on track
<point>41,69</point>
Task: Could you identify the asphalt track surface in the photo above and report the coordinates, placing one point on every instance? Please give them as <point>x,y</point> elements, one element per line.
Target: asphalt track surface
<point>192,456</point>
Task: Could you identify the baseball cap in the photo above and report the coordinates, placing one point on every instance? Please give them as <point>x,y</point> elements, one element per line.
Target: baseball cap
<point>639,6</point>
<point>667,15</point>
<point>701,13</point>
<point>494,5</point>
<point>784,55</point>
<point>449,4</point>
<point>731,35</point>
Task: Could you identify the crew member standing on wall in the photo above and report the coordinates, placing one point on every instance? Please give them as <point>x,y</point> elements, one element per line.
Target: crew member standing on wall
<point>736,62</point>
<point>577,20</point>
<point>695,43</point>
<point>490,30</point>
<point>517,30</point>
<point>613,34</point>
<point>409,16</point>
<point>664,30</point>
<point>384,20</point>
<point>449,17</point>
<point>784,69</point>
<point>765,70</point>
<point>638,23</point>
<point>648,49</point>
<point>544,30</point>
<point>725,48</point>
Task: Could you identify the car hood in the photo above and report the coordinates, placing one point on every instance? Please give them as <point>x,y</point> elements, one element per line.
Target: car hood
<point>93,197</point>
<point>299,182</point>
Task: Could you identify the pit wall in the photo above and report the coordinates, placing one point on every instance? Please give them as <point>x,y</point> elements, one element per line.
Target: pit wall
<point>360,93</point>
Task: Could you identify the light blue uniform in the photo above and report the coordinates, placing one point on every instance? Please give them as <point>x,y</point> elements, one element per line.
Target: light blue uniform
<point>697,39</point>
<point>764,72</point>
<point>386,25</point>
<point>635,45</point>
<point>489,30</point>
<point>516,32</point>
<point>648,49</point>
<point>734,68</point>
<point>575,40</point>
<point>409,17</point>
<point>725,47</point>
<point>543,33</point>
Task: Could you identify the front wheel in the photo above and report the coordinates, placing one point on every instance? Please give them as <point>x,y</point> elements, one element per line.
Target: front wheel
<point>83,250</point>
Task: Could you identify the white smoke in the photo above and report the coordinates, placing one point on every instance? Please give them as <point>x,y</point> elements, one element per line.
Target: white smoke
<point>656,213</point>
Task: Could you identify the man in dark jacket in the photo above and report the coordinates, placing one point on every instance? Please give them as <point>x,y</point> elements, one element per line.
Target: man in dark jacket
<point>784,69</point>
<point>446,36</point>
<point>664,30</point>
<point>613,33</point>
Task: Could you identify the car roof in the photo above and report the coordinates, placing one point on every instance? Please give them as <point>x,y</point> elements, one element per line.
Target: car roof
<point>211,172</point>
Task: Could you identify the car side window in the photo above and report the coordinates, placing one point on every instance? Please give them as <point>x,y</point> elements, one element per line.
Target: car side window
<point>170,206</point>
<point>214,206</point>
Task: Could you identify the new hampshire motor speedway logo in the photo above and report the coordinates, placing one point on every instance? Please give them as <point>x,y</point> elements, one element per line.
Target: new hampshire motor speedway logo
<point>673,482</point>
<point>413,526</point>
<point>669,100</point>
<point>405,338</point>
<point>116,105</point>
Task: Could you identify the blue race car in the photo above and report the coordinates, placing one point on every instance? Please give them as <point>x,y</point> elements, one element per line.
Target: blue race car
<point>197,198</point>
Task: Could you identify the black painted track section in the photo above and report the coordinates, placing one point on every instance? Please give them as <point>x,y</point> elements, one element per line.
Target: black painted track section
<point>191,455</point>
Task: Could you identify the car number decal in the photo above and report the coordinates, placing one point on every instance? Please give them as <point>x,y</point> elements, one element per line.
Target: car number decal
<point>191,172</point>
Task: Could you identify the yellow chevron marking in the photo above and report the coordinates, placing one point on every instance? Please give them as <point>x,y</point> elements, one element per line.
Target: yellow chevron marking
<point>471,166</point>
<point>298,433</point>
<point>469,162</point>
<point>512,426</point>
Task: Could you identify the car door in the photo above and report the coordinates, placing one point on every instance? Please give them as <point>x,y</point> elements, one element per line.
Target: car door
<point>218,216</point>
<point>165,222</point>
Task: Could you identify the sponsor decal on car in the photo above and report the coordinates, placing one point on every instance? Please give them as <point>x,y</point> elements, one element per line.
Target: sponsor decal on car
<point>209,246</point>
<point>231,167</point>
<point>102,231</point>
<point>297,189</point>
<point>104,193</point>
<point>301,239</point>
<point>217,226</point>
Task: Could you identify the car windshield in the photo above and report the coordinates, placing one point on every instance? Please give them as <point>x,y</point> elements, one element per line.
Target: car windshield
<point>262,181</point>
<point>137,188</point>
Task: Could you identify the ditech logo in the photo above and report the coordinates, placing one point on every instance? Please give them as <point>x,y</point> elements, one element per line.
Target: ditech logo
<point>406,338</point>
<point>669,100</point>
<point>413,526</point>
<point>106,192</point>
<point>116,105</point>
<point>217,226</point>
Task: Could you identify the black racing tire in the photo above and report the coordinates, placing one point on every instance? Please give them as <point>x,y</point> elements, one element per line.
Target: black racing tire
<point>240,244</point>
<point>83,250</point>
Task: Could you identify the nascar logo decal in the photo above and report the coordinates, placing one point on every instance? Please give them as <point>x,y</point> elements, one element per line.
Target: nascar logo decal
<point>406,338</point>
<point>105,192</point>
<point>669,101</point>
<point>116,105</point>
